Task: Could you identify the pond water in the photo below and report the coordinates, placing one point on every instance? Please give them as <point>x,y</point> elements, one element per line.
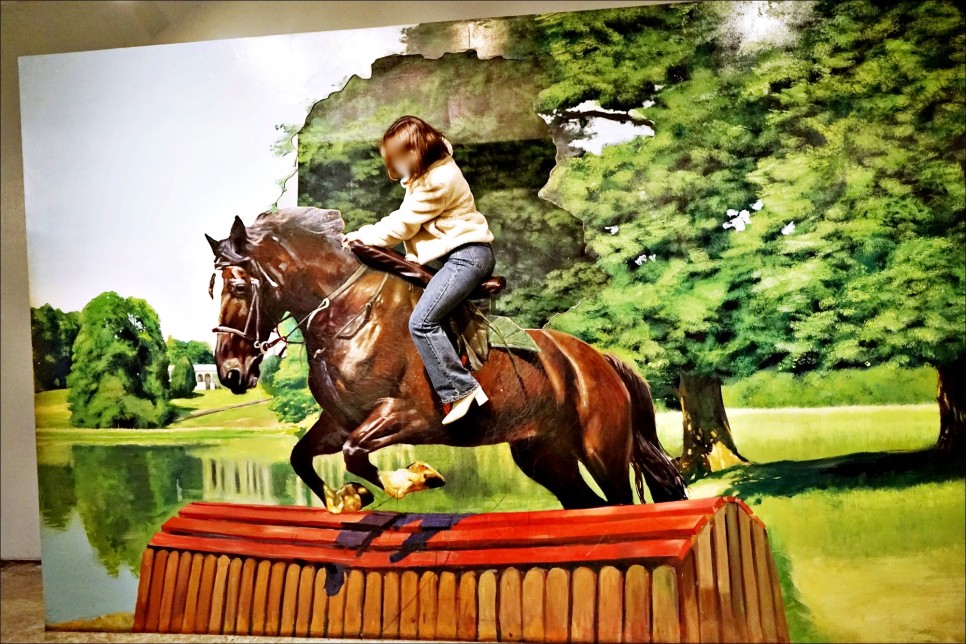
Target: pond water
<point>102,502</point>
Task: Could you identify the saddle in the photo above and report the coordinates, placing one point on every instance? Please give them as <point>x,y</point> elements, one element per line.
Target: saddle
<point>468,327</point>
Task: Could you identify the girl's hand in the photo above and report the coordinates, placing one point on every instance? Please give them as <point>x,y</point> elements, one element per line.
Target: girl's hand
<point>345,240</point>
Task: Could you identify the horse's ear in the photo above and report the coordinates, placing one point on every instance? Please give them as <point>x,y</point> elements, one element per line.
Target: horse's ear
<point>238,235</point>
<point>213,243</point>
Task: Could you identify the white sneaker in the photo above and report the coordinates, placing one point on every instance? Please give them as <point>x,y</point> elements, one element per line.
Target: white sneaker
<point>461,406</point>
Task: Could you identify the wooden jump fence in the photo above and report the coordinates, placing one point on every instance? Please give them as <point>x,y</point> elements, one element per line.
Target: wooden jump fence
<point>686,571</point>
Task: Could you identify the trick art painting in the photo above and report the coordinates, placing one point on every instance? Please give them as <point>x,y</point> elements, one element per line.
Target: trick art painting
<point>616,325</point>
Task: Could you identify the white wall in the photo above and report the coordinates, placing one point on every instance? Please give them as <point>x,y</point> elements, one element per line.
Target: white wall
<point>32,28</point>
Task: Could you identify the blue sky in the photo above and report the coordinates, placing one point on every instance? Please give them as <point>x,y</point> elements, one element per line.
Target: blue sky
<point>131,155</point>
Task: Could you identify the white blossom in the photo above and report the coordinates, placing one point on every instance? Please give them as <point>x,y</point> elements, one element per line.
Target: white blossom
<point>757,205</point>
<point>612,229</point>
<point>789,228</point>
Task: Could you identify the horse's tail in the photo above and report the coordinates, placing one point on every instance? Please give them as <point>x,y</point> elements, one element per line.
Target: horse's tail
<point>648,458</point>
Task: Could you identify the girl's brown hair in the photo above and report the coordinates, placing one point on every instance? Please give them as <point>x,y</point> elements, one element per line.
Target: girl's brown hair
<point>412,136</point>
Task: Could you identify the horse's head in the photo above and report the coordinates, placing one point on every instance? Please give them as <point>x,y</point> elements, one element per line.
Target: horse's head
<point>249,309</point>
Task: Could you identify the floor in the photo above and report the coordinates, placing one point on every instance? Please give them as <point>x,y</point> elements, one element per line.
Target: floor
<point>22,616</point>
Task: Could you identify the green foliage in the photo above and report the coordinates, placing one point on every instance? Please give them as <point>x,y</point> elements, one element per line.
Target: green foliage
<point>196,351</point>
<point>120,366</point>
<point>52,334</point>
<point>880,385</point>
<point>182,378</point>
<point>869,122</point>
<point>855,132</point>
<point>292,400</point>
<point>267,370</point>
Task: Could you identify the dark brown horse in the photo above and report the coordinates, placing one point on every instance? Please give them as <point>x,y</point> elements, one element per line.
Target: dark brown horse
<point>564,404</point>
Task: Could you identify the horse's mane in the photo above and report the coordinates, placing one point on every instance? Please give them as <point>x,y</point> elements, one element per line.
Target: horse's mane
<point>290,223</point>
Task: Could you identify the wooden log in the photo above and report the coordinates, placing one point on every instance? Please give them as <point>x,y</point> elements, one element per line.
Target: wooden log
<point>709,607</point>
<point>263,574</point>
<point>637,604</point>
<point>335,623</point>
<point>688,587</point>
<point>666,624</point>
<point>427,601</point>
<point>558,606</point>
<point>180,594</point>
<point>246,596</point>
<point>144,588</point>
<point>534,604</point>
<point>167,598</point>
<point>372,606</point>
<point>290,594</point>
<point>354,594</point>
<point>191,601</point>
<point>446,608</point>
<point>752,605</point>
<point>466,607</point>
<point>217,611</point>
<point>409,605</point>
<point>205,591</point>
<point>610,605</point>
<point>486,608</point>
<point>736,572</point>
<point>583,605</point>
<point>303,610</point>
<point>156,586</point>
<point>510,613</point>
<point>391,605</point>
<point>232,587</point>
<point>722,575</point>
<point>320,605</point>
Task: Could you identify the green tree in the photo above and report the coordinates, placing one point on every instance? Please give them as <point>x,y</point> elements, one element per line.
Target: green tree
<point>652,207</point>
<point>292,400</point>
<point>183,380</point>
<point>52,337</point>
<point>868,117</point>
<point>120,366</point>
<point>196,351</point>
<point>267,370</point>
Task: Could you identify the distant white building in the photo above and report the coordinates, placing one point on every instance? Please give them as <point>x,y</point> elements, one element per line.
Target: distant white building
<point>206,376</point>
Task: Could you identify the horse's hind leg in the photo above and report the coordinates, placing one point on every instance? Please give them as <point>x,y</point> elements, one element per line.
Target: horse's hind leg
<point>555,471</point>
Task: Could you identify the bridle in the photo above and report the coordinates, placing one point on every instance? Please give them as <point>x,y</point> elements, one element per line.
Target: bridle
<point>254,309</point>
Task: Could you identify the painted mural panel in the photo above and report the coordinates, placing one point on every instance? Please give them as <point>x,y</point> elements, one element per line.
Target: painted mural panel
<point>731,237</point>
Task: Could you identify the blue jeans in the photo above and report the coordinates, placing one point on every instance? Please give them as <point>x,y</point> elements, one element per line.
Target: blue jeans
<point>463,269</point>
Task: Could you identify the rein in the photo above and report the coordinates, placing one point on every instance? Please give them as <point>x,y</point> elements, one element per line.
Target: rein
<point>255,309</point>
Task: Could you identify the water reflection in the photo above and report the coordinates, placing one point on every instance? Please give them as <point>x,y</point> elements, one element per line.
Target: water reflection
<point>104,502</point>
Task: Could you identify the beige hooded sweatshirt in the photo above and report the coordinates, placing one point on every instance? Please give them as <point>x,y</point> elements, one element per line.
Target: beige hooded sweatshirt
<point>437,214</point>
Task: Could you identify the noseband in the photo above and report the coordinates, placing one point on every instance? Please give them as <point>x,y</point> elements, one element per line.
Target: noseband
<point>254,309</point>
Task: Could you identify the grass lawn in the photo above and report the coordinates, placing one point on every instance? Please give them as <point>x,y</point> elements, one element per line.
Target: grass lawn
<point>52,411</point>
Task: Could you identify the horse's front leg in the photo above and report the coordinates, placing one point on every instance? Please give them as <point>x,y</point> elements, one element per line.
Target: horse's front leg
<point>326,437</point>
<point>392,421</point>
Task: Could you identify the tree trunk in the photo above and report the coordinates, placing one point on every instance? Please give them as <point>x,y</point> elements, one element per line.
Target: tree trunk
<point>708,443</point>
<point>952,406</point>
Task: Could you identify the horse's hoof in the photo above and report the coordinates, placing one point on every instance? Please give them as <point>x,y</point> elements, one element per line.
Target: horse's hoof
<point>431,478</point>
<point>414,478</point>
<point>351,497</point>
